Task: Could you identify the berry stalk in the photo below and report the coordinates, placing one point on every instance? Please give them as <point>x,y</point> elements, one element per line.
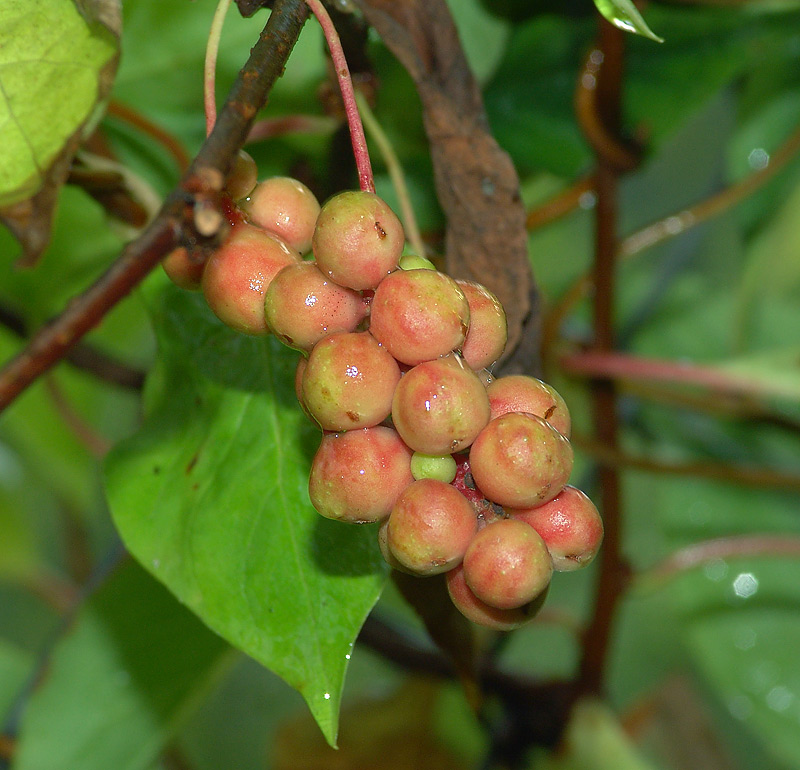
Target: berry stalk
<point>366,181</point>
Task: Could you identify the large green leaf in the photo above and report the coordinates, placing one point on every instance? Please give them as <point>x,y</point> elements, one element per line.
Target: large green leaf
<point>211,496</point>
<point>51,63</point>
<point>118,681</point>
<point>743,631</point>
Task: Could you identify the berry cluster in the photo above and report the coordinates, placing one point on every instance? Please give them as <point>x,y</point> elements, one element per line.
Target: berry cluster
<point>466,473</point>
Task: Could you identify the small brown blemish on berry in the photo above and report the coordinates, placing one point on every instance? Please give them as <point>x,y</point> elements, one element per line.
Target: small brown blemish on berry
<point>549,412</point>
<point>354,416</point>
<point>381,232</point>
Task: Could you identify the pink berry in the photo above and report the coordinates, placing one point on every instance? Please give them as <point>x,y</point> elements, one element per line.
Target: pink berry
<point>507,564</point>
<point>520,393</point>
<point>519,460</point>
<point>488,328</point>
<point>570,526</point>
<point>357,476</point>
<point>285,207</point>
<point>237,275</point>
<point>182,271</point>
<point>484,614</point>
<point>430,527</point>
<point>440,406</point>
<point>358,239</point>
<point>419,315</point>
<point>302,306</point>
<point>349,381</point>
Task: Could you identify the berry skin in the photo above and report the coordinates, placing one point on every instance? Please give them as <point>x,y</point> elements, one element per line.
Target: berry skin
<point>520,393</point>
<point>570,526</point>
<point>415,262</point>
<point>357,476</point>
<point>237,275</point>
<point>488,327</point>
<point>285,207</point>
<point>507,564</point>
<point>302,306</point>
<point>519,460</point>
<point>472,608</point>
<point>419,315</point>
<point>430,527</point>
<point>439,467</point>
<point>440,406</point>
<point>349,382</point>
<point>183,271</point>
<point>242,177</point>
<point>358,239</point>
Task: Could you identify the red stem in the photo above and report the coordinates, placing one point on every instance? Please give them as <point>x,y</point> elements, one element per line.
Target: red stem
<point>357,137</point>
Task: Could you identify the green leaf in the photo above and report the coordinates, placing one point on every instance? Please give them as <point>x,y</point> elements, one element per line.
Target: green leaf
<point>212,497</point>
<point>624,15</point>
<point>743,631</point>
<point>51,71</point>
<point>133,657</point>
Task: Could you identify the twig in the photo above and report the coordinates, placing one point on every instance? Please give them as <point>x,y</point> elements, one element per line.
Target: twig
<point>395,172</point>
<point>620,366</point>
<point>359,141</point>
<point>85,356</point>
<point>97,445</point>
<point>560,204</point>
<point>757,477</point>
<point>268,128</point>
<point>146,126</point>
<point>180,219</point>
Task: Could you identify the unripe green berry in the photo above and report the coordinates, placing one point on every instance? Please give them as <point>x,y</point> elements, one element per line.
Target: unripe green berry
<point>415,262</point>
<point>439,467</point>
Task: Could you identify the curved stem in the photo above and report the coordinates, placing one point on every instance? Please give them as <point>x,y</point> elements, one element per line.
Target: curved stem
<point>395,172</point>
<point>359,141</point>
<point>210,64</point>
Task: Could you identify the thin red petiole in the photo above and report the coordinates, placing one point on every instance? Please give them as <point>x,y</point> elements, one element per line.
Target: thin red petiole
<point>359,141</point>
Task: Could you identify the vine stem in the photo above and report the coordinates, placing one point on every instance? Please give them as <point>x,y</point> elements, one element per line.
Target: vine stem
<point>366,180</point>
<point>210,64</point>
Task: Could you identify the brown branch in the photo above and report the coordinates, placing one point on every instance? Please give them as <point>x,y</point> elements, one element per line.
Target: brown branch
<point>84,356</point>
<point>607,89</point>
<point>560,204</point>
<point>182,218</point>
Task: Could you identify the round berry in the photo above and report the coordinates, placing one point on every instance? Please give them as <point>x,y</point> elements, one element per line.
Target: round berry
<point>519,460</point>
<point>430,527</point>
<point>237,275</point>
<point>440,406</point>
<point>242,177</point>
<point>357,476</point>
<point>520,393</point>
<point>570,526</point>
<point>349,381</point>
<point>358,239</point>
<point>302,306</point>
<point>472,608</point>
<point>183,271</point>
<point>419,315</point>
<point>285,207</point>
<point>439,467</point>
<point>488,328</point>
<point>507,564</point>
